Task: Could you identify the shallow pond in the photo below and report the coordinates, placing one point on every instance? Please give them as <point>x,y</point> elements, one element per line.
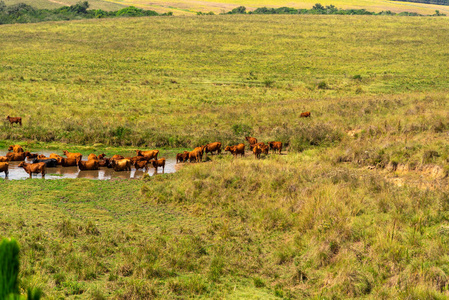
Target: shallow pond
<point>18,173</point>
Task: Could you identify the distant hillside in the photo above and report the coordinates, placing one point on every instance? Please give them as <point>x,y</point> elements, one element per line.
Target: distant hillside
<point>181,7</point>
<point>50,4</point>
<point>437,2</point>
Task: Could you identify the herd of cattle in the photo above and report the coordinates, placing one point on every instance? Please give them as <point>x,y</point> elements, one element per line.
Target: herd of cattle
<point>142,160</point>
<point>257,148</point>
<point>40,163</point>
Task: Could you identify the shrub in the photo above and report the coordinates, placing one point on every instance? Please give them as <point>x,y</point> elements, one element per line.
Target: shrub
<point>322,85</point>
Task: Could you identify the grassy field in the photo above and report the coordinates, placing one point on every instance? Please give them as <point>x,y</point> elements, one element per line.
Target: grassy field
<point>188,7</point>
<point>357,208</point>
<point>183,7</point>
<point>180,82</point>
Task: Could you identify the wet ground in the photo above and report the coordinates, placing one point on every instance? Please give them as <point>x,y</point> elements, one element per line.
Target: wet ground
<point>16,173</point>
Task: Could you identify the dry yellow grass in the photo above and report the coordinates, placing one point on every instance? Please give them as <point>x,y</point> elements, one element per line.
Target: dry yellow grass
<point>180,7</point>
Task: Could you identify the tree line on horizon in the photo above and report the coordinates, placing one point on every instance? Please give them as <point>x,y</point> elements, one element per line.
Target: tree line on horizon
<point>319,9</point>
<point>24,13</point>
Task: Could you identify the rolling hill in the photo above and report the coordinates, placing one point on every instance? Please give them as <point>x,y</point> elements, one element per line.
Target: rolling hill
<point>187,7</point>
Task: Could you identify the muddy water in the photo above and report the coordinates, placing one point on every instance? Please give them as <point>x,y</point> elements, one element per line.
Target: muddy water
<point>16,173</point>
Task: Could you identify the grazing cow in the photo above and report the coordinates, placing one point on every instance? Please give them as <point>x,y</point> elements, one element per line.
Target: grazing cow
<point>276,146</point>
<point>182,157</point>
<point>212,147</point>
<point>251,140</point>
<point>141,164</point>
<point>305,114</point>
<point>257,150</point>
<point>68,162</point>
<point>34,168</point>
<point>4,168</point>
<point>73,155</point>
<point>151,154</point>
<point>13,120</point>
<point>236,150</point>
<point>4,159</point>
<point>159,163</point>
<point>121,165</point>
<point>49,162</point>
<point>15,148</point>
<point>88,165</point>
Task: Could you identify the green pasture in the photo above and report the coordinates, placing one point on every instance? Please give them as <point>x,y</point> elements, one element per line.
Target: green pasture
<point>356,207</point>
<point>183,81</point>
<point>291,227</point>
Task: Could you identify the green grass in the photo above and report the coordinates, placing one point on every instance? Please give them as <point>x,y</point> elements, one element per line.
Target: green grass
<point>356,209</point>
<point>179,82</point>
<point>285,226</point>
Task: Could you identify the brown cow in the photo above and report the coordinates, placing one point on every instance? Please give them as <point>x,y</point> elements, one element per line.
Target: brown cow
<point>256,144</point>
<point>13,120</point>
<point>15,148</point>
<point>257,150</point>
<point>104,162</point>
<point>159,163</point>
<point>151,154</point>
<point>141,164</point>
<point>68,162</point>
<point>4,168</point>
<point>88,165</point>
<point>276,146</point>
<point>251,140</point>
<point>17,156</point>
<point>265,149</point>
<point>34,168</point>
<point>236,150</point>
<point>121,165</point>
<point>182,157</point>
<point>42,156</point>
<point>92,156</point>
<point>73,155</point>
<point>212,147</point>
<point>117,157</point>
<point>194,156</point>
<point>305,114</point>
<point>57,157</point>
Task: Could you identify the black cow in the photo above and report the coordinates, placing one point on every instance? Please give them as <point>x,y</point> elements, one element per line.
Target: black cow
<point>49,162</point>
